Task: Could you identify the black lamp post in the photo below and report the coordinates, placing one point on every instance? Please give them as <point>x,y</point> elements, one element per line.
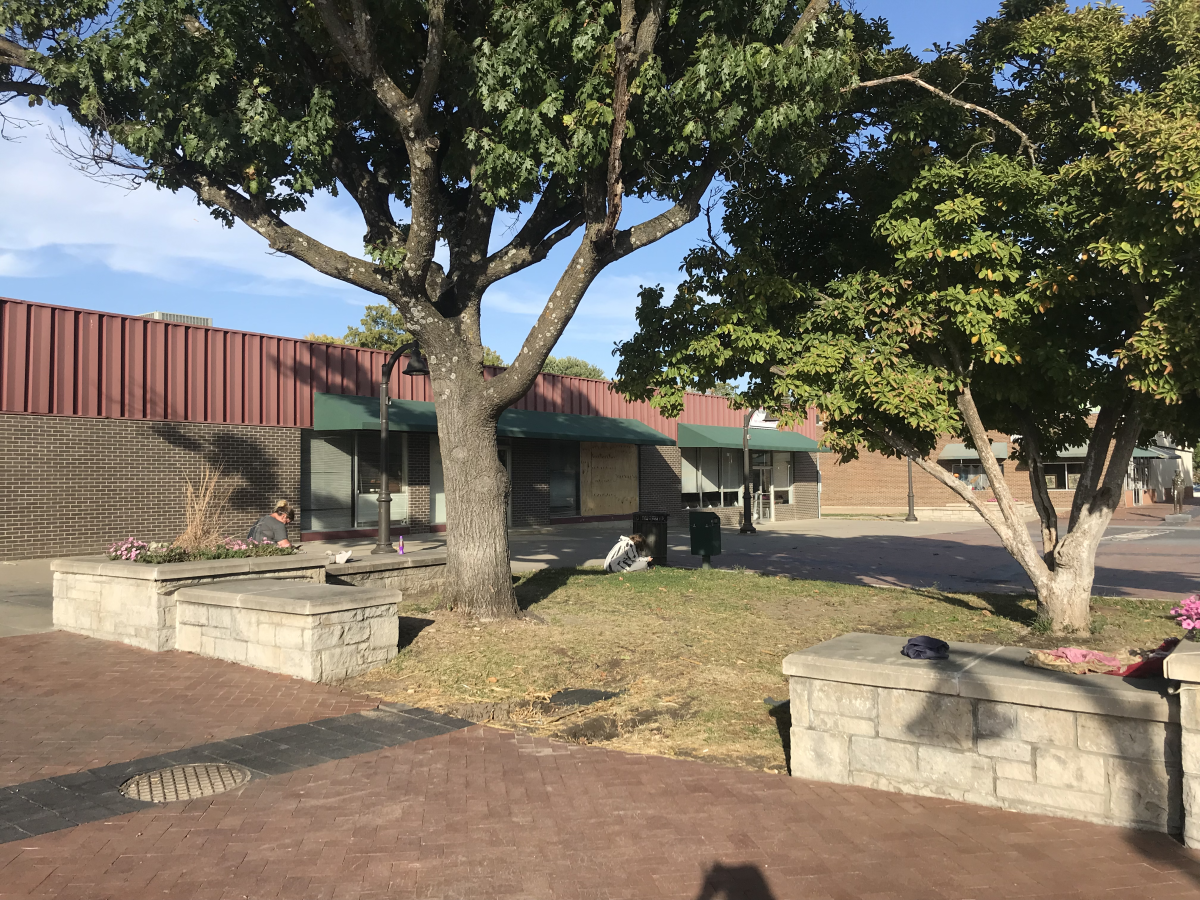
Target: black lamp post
<point>747,513</point>
<point>912,510</point>
<point>416,366</point>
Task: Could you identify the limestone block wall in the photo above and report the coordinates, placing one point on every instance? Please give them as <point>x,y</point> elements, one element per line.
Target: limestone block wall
<point>327,647</point>
<point>134,603</point>
<point>126,610</point>
<point>1108,769</point>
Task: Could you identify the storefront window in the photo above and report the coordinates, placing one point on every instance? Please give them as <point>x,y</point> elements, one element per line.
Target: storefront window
<point>340,480</point>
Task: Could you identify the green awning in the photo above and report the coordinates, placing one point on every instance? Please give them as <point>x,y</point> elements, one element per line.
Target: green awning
<point>760,438</point>
<point>340,412</point>
<point>1138,453</point>
<point>961,451</point>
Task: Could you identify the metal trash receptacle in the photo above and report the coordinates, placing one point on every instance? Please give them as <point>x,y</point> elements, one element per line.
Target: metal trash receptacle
<point>653,527</point>
<point>705,528</point>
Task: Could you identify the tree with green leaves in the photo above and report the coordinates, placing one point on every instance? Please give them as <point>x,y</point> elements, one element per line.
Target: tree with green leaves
<point>1007,239</point>
<point>437,117</point>
<point>571,365</point>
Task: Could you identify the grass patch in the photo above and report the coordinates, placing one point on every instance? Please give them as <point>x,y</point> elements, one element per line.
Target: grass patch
<point>693,653</point>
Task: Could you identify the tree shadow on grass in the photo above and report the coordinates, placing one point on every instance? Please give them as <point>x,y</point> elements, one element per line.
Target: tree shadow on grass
<point>1005,606</point>
<point>541,584</point>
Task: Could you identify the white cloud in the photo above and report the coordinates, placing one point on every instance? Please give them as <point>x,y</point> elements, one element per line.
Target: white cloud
<point>52,207</point>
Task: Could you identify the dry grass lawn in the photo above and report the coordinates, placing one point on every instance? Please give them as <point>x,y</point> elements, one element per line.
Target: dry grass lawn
<point>692,653</point>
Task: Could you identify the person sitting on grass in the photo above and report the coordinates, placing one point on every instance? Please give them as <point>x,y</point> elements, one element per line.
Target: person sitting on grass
<point>629,555</point>
<point>272,528</point>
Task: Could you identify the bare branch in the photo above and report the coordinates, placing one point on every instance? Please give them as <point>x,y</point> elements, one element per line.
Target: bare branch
<point>432,72</point>
<point>283,238</point>
<point>896,442</point>
<point>632,49</point>
<point>23,88</point>
<point>356,43</point>
<point>13,54</point>
<point>549,224</point>
<point>1093,462</point>
<point>915,78</point>
<point>1047,515</point>
<point>806,21</point>
<point>684,211</point>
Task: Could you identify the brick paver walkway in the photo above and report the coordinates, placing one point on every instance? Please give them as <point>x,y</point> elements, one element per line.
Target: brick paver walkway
<point>482,814</point>
<point>69,703</point>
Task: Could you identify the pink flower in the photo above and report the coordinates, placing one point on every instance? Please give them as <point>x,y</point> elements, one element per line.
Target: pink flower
<point>1187,614</point>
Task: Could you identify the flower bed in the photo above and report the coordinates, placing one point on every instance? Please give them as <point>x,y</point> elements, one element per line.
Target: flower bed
<point>133,550</point>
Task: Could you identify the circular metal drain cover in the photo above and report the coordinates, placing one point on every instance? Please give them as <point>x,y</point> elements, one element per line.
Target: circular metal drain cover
<point>185,782</point>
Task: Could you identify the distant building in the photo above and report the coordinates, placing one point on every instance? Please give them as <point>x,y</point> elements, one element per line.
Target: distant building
<point>105,416</point>
<point>179,319</point>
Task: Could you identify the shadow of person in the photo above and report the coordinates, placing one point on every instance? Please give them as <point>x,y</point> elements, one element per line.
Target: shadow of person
<point>735,883</point>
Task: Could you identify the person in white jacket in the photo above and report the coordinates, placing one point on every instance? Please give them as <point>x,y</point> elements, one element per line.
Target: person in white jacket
<point>629,555</point>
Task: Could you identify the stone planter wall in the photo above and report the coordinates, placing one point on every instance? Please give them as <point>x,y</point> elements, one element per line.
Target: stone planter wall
<point>134,603</point>
<point>418,576</point>
<point>984,728</point>
<point>316,632</point>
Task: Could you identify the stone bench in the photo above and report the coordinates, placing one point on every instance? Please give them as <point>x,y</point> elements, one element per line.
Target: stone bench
<point>984,728</point>
<point>418,575</point>
<point>318,632</point>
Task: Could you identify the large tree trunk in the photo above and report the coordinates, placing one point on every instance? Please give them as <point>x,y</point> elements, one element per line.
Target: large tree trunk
<point>478,572</point>
<point>1065,598</point>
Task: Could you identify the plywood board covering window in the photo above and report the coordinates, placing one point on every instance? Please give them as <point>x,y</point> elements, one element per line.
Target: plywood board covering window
<point>608,478</point>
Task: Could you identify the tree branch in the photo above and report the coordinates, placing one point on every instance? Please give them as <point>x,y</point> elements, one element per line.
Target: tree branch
<point>23,88</point>
<point>686,210</point>
<point>356,44</point>
<point>13,54</point>
<point>632,49</point>
<point>915,78</point>
<point>283,238</point>
<point>1093,462</point>
<point>806,21</point>
<point>1042,501</point>
<point>550,223</point>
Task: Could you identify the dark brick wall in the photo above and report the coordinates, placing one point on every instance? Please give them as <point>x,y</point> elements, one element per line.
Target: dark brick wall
<point>73,485</point>
<point>804,503</point>
<point>530,484</point>
<point>661,479</point>
<point>418,479</point>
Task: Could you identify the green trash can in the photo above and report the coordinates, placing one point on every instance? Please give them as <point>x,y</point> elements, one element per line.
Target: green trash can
<point>705,528</point>
<point>653,527</point>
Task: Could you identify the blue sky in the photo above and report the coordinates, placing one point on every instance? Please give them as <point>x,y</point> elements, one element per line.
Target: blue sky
<point>70,240</point>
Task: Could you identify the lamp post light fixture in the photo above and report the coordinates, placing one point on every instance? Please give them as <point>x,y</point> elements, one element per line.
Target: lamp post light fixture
<point>912,510</point>
<point>416,366</point>
<point>747,512</point>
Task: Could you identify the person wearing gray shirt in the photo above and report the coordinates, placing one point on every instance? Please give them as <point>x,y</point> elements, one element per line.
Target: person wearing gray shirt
<point>272,528</point>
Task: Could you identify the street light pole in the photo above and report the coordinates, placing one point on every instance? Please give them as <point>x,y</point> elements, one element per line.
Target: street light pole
<point>912,510</point>
<point>416,366</point>
<point>747,514</point>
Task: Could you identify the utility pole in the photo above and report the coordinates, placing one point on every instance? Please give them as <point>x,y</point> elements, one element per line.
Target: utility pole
<point>747,512</point>
<point>912,510</point>
<point>416,366</point>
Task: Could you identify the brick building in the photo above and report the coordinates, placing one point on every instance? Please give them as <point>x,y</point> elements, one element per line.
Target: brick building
<point>104,418</point>
<point>875,484</point>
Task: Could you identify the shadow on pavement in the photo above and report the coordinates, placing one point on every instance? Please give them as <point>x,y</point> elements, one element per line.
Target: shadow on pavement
<point>735,883</point>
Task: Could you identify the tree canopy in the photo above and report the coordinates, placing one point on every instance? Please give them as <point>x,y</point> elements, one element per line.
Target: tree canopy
<point>571,365</point>
<point>1004,238</point>
<point>436,117</point>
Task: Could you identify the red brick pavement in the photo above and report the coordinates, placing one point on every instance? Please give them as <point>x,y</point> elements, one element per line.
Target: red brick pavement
<point>481,813</point>
<point>69,703</point>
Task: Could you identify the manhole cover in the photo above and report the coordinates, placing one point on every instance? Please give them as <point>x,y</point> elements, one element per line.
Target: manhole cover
<point>185,782</point>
